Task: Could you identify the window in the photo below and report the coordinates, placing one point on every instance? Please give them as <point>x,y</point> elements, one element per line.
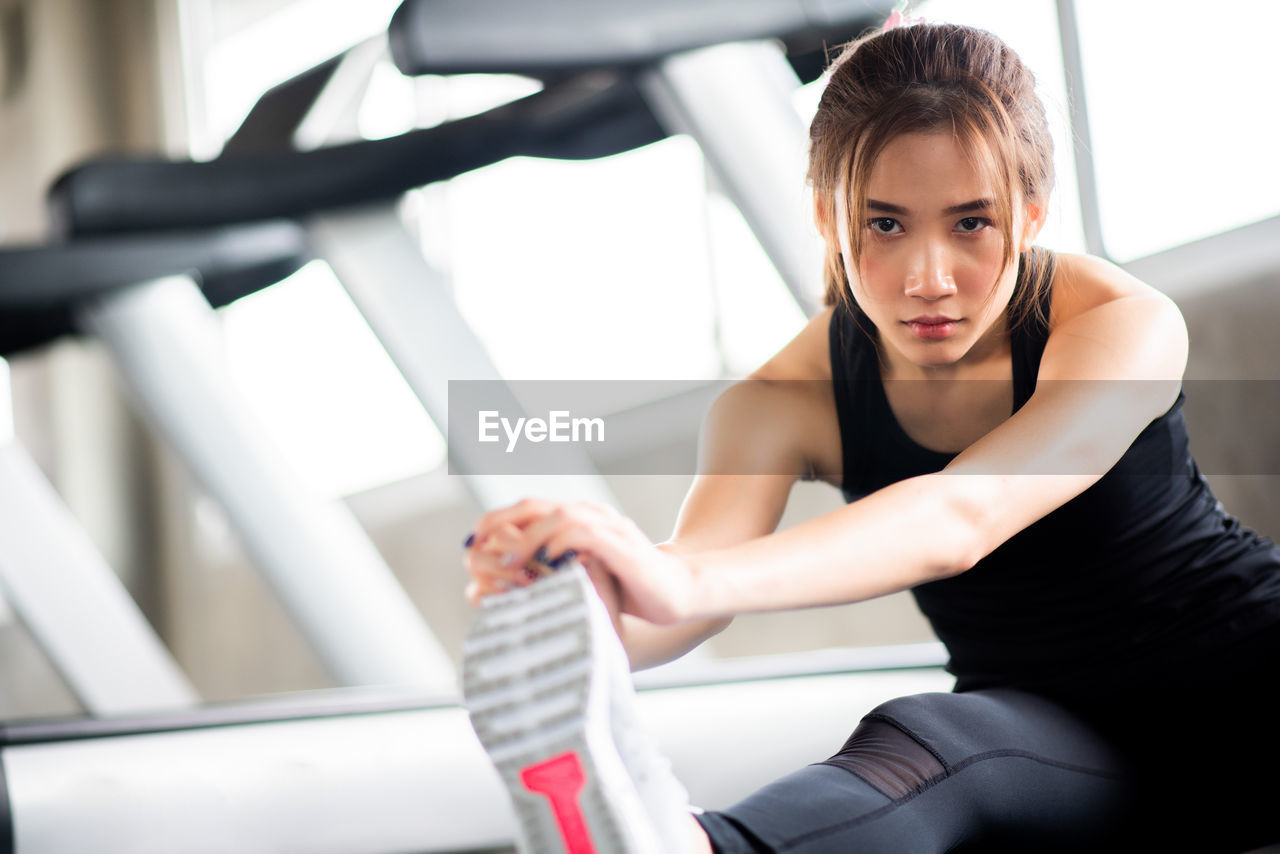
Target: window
<point>324,388</point>
<point>1182,113</point>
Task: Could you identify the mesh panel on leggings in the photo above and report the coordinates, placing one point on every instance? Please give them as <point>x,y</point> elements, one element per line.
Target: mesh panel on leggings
<point>887,758</point>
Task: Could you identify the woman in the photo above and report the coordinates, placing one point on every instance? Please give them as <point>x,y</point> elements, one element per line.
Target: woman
<point>1006,426</point>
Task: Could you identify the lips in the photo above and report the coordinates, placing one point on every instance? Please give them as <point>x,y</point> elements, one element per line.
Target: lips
<point>932,328</point>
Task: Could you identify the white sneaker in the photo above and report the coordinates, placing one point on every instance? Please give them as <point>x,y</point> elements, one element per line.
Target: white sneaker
<point>665,798</point>
<point>548,689</point>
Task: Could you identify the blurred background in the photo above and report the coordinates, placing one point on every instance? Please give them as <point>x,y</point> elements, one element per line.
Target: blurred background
<point>635,266</point>
<point>230,522</point>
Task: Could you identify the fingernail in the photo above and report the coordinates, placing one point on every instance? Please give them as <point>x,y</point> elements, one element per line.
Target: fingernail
<point>564,558</point>
<point>471,538</point>
<point>508,559</point>
<point>531,573</point>
<point>541,556</point>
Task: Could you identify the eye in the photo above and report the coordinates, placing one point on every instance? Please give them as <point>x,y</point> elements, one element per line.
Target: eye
<point>970,224</point>
<point>884,225</point>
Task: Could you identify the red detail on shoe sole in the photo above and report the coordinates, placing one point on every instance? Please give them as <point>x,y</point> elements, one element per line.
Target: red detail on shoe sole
<point>560,779</point>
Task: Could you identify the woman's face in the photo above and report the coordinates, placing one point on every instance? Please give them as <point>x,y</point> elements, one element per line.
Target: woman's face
<point>930,277</point>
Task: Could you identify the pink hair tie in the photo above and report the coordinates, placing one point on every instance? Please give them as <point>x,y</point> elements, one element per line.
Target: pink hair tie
<point>899,18</point>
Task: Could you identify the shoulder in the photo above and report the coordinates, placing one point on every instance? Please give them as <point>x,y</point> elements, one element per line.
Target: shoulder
<point>774,426</point>
<point>1105,322</point>
<point>784,411</point>
<point>1082,283</point>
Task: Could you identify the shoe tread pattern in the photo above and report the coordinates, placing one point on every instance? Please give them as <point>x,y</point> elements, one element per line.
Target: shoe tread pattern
<point>526,678</point>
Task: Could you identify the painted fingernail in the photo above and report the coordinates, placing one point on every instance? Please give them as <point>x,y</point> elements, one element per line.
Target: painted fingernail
<point>531,573</point>
<point>541,556</point>
<point>471,538</point>
<point>564,558</point>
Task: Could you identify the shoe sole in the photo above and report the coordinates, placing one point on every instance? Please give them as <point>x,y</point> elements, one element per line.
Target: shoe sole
<point>531,688</point>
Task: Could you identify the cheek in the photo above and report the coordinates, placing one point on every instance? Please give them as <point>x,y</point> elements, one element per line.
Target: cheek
<point>977,271</point>
<point>979,278</point>
<point>990,287</point>
<point>879,276</point>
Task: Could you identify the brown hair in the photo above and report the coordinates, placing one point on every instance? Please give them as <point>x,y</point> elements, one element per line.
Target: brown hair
<point>928,77</point>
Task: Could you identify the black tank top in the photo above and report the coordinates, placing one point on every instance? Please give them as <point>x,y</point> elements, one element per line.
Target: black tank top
<point>1139,578</point>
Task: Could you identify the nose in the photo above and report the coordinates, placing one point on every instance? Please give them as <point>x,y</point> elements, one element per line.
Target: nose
<point>930,276</point>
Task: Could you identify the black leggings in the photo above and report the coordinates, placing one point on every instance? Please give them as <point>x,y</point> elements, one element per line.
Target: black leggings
<point>1007,770</point>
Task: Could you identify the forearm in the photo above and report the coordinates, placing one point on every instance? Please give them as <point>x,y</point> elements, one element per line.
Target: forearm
<point>908,533</point>
<point>649,645</point>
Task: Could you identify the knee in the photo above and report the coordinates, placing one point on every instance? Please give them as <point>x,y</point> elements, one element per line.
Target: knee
<point>888,759</point>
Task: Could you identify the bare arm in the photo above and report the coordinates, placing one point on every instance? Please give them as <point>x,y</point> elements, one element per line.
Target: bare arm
<point>1107,372</point>
<point>1113,364</point>
<point>758,439</point>
<point>749,459</point>
<point>649,644</point>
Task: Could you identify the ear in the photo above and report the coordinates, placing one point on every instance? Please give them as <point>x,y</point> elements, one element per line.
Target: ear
<point>1034,216</point>
<point>820,219</point>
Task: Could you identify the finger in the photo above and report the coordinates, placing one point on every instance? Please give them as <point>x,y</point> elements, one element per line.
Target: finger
<point>566,526</point>
<point>528,511</point>
<point>478,589</point>
<point>489,569</point>
<point>499,542</point>
<point>602,542</point>
<point>627,556</point>
<point>485,564</point>
<point>520,515</point>
<point>525,547</point>
<point>485,561</point>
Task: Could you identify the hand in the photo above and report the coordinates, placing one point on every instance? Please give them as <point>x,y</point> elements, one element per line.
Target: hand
<point>483,560</point>
<point>632,575</point>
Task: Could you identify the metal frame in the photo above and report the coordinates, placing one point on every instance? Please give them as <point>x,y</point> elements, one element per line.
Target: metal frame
<point>74,605</point>
<point>1081,137</point>
<point>339,100</point>
<point>410,308</point>
<point>735,101</point>
<point>328,575</point>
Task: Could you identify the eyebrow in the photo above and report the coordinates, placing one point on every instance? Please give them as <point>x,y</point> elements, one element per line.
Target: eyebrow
<point>967,207</point>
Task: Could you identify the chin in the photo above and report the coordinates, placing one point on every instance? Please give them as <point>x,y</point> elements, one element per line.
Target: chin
<point>936,354</point>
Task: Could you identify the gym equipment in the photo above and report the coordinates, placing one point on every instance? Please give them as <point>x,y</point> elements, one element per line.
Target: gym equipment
<point>50,572</point>
<point>137,296</point>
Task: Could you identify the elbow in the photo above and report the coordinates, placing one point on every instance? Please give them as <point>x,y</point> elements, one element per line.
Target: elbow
<point>964,532</point>
<point>954,563</point>
<point>963,564</point>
